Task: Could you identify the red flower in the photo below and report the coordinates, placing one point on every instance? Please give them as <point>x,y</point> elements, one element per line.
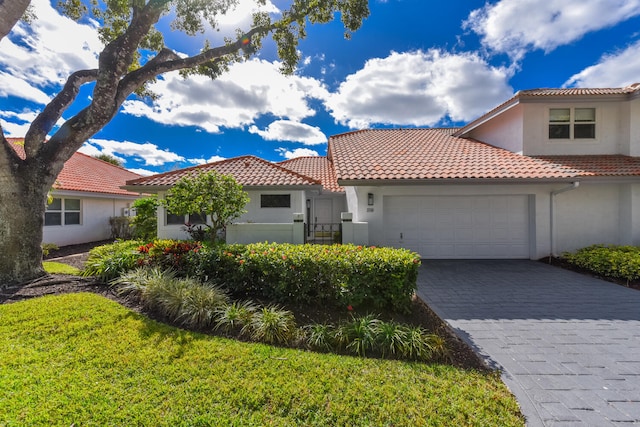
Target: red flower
<point>349,307</point>
<point>284,257</point>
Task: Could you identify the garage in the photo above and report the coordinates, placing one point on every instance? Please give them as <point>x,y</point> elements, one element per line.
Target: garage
<point>459,227</point>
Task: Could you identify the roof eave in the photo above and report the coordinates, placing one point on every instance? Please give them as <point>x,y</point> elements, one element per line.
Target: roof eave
<point>448,181</point>
<point>161,188</point>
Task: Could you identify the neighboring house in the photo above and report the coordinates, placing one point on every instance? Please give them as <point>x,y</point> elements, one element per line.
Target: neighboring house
<point>549,170</point>
<point>85,195</point>
<point>276,193</point>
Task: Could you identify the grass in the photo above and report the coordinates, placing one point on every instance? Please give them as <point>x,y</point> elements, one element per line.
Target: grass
<point>80,359</point>
<point>53,267</point>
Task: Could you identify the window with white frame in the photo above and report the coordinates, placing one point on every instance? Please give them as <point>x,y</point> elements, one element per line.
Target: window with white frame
<point>63,212</point>
<point>572,123</point>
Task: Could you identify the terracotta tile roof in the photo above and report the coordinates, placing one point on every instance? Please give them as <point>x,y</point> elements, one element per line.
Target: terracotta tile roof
<point>580,91</point>
<point>316,167</point>
<point>249,171</point>
<point>600,165</point>
<point>539,93</point>
<point>87,174</point>
<point>430,154</point>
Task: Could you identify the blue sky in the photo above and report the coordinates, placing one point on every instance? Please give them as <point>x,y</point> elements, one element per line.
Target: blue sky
<point>414,63</point>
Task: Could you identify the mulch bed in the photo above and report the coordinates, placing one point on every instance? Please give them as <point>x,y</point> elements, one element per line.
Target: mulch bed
<point>460,354</point>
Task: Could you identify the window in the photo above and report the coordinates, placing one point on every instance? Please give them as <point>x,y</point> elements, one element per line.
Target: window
<point>275,200</point>
<point>576,123</point>
<point>173,219</point>
<point>63,212</point>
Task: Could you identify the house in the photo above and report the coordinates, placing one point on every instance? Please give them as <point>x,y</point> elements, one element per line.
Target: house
<point>276,193</point>
<point>85,195</point>
<point>547,171</point>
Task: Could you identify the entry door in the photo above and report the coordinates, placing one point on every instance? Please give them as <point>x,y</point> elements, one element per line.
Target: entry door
<point>323,211</point>
<point>321,226</point>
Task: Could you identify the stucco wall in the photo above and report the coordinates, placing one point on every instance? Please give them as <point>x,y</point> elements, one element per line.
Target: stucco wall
<point>587,215</point>
<point>610,137</point>
<point>95,214</point>
<point>255,214</point>
<point>505,132</point>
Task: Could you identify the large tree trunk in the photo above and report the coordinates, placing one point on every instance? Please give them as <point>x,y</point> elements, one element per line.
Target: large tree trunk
<point>10,12</point>
<point>22,206</point>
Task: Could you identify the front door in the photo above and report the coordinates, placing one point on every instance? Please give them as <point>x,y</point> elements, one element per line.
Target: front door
<point>321,224</point>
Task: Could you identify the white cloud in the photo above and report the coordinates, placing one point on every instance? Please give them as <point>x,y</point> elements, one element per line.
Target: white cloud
<point>19,122</point>
<point>234,100</point>
<point>514,26</point>
<point>298,152</point>
<point>202,161</point>
<point>13,86</point>
<point>420,89</point>
<point>149,153</point>
<point>287,130</point>
<point>614,70</point>
<point>49,49</point>
<point>143,172</point>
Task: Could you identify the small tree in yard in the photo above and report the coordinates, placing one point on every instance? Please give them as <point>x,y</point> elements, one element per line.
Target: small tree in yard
<point>145,222</point>
<point>208,193</point>
<point>135,53</point>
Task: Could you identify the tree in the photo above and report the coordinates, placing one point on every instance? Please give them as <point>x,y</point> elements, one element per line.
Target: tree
<point>134,54</point>
<point>145,222</point>
<point>109,159</point>
<point>208,193</point>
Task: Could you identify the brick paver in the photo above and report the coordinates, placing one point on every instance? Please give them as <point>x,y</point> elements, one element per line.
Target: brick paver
<point>568,344</point>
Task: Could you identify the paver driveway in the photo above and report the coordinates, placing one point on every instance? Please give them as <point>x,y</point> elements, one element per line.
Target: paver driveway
<point>568,344</point>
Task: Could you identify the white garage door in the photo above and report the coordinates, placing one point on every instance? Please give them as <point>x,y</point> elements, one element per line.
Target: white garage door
<point>451,227</point>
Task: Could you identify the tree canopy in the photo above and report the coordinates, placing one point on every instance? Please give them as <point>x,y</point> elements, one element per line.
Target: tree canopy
<point>210,194</point>
<point>134,54</point>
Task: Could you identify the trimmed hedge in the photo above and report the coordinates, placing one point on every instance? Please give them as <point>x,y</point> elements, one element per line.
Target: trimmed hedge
<point>285,273</point>
<point>342,274</point>
<point>618,262</point>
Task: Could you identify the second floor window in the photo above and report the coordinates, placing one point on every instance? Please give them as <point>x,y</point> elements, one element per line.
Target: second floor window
<point>572,123</point>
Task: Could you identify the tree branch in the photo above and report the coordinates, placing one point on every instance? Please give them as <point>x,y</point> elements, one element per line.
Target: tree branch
<point>45,121</point>
<point>10,13</point>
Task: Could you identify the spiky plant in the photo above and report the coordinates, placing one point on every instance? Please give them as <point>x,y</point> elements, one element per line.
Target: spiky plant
<point>320,336</point>
<point>139,281</point>
<point>391,338</point>
<point>358,335</point>
<point>200,304</point>
<point>272,325</point>
<point>235,315</point>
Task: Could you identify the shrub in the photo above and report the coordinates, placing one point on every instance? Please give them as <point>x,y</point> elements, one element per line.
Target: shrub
<point>109,261</point>
<point>272,325</point>
<point>303,274</point>
<point>234,316</point>
<point>320,336</point>
<point>391,338</point>
<point>145,222</point>
<point>48,247</point>
<point>368,335</point>
<point>617,262</point>
<point>181,300</point>
<point>358,335</point>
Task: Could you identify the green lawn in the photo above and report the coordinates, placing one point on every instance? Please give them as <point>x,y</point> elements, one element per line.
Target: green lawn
<point>83,360</point>
<point>53,267</point>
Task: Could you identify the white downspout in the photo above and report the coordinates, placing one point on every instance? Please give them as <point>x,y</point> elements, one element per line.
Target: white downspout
<point>552,228</point>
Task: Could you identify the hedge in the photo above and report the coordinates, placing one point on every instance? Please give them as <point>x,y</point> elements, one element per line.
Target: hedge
<point>342,274</point>
<point>617,262</point>
<point>285,273</point>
